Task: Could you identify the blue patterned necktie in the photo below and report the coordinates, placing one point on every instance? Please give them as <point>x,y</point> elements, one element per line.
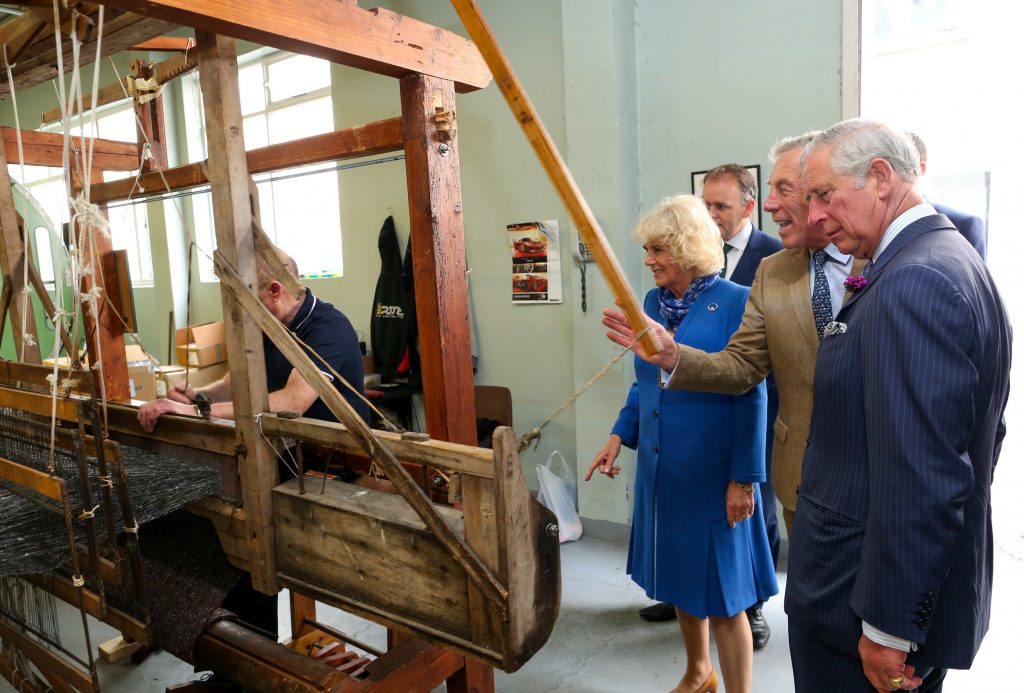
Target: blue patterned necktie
<point>821,299</point>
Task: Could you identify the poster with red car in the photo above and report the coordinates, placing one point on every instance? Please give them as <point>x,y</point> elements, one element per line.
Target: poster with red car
<point>536,270</point>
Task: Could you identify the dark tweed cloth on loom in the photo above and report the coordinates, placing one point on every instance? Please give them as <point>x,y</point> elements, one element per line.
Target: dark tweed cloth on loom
<point>187,578</point>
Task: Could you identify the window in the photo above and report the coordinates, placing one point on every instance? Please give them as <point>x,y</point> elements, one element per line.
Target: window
<point>284,97</point>
<point>129,227</point>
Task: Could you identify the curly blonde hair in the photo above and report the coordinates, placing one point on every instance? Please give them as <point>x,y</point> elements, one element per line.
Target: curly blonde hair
<point>682,224</point>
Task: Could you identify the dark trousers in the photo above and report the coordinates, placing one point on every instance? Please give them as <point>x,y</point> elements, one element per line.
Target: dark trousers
<point>817,666</point>
<point>253,607</point>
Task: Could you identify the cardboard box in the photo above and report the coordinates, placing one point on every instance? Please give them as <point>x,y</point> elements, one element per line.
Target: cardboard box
<point>201,345</point>
<point>141,373</point>
<point>169,377</point>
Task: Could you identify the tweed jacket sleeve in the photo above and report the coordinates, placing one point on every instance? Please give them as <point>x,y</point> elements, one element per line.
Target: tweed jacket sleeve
<point>743,363</point>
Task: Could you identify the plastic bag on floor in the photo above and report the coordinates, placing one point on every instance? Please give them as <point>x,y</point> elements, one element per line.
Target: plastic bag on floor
<point>558,494</point>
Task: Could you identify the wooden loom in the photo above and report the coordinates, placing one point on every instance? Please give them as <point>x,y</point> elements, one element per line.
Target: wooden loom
<point>483,582</point>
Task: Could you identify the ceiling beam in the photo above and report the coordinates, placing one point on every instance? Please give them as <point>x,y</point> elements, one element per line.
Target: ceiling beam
<point>376,40</point>
<point>119,33</point>
<point>47,149</point>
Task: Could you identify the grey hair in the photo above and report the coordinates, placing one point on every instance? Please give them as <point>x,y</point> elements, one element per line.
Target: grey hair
<point>858,141</point>
<point>789,143</point>
<point>922,150</point>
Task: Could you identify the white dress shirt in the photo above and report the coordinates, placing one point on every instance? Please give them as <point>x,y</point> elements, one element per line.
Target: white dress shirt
<point>837,269</point>
<point>737,244</point>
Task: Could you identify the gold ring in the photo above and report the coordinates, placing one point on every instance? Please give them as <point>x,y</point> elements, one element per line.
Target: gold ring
<point>896,683</point>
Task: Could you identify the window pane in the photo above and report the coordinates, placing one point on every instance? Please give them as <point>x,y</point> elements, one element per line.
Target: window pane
<point>52,197</point>
<point>254,130</point>
<point>250,87</point>
<point>44,254</point>
<point>310,231</point>
<point>266,193</point>
<point>297,75</point>
<point>120,125</point>
<point>301,120</point>
<point>195,127</point>
<point>128,228</point>
<point>202,213</point>
<point>32,173</point>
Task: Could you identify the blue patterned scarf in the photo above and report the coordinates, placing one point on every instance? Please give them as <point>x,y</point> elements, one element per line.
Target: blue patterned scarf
<point>673,309</point>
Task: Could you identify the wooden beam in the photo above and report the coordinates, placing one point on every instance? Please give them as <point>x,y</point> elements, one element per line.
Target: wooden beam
<point>48,662</point>
<point>50,486</point>
<point>16,35</point>
<point>555,167</point>
<point>12,266</point>
<point>363,140</point>
<point>374,40</point>
<point>465,459</point>
<point>104,329</point>
<point>107,94</point>
<point>50,309</point>
<point>42,405</point>
<point>119,33</point>
<point>229,521</point>
<point>47,149</point>
<point>149,113</point>
<point>62,588</point>
<point>167,44</point>
<point>232,216</point>
<point>439,262</point>
<point>442,316</point>
<point>282,339</point>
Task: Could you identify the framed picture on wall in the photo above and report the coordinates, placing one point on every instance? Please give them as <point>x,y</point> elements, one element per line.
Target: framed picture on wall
<point>697,185</point>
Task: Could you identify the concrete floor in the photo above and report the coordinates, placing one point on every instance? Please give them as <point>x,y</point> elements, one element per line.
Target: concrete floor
<point>600,645</point>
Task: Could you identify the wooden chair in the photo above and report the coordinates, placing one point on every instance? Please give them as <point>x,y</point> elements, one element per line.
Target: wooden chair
<point>493,402</point>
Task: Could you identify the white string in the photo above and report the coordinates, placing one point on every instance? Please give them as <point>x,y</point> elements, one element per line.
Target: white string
<point>25,338</point>
<point>291,463</point>
<point>95,98</point>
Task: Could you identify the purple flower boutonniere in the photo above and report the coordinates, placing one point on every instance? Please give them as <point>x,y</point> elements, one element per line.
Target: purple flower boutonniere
<point>855,282</point>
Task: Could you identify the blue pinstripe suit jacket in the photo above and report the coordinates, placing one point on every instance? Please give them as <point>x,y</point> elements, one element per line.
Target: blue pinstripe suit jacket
<point>893,524</point>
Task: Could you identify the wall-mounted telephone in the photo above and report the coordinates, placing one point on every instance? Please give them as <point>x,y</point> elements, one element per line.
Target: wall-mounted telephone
<point>580,251</point>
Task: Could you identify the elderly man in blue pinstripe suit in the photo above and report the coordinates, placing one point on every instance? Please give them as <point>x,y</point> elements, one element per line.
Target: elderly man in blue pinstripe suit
<point>891,555</point>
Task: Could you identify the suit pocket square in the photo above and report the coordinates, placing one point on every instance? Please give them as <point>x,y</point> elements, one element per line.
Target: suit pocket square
<point>834,328</point>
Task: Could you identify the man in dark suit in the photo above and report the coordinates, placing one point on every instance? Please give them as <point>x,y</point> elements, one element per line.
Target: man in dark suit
<point>730,193</point>
<point>970,227</point>
<point>891,554</point>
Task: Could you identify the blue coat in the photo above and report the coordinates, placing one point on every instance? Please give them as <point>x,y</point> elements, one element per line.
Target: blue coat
<point>970,227</point>
<point>689,445</point>
<point>894,525</point>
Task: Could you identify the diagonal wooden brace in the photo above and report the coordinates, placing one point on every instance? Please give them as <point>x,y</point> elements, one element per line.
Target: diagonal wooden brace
<point>555,167</point>
<point>475,570</point>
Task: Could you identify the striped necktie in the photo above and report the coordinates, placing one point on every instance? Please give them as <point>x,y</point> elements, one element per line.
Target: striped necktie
<point>821,298</point>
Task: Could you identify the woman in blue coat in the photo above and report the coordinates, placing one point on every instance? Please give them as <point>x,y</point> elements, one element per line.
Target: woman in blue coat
<point>696,541</point>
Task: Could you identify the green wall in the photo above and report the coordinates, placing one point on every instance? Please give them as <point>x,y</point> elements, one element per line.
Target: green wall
<point>635,95</point>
